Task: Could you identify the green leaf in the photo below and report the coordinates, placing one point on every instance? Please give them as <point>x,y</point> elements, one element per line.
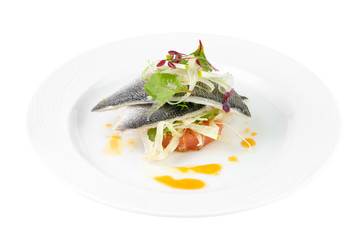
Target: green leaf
<point>182,105</point>
<point>209,115</point>
<point>183,62</point>
<point>200,53</point>
<point>153,131</point>
<point>152,134</point>
<point>162,86</point>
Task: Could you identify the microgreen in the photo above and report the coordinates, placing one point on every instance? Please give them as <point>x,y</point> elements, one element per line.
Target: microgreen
<point>209,115</point>
<point>153,131</point>
<point>161,63</point>
<point>162,86</point>
<point>201,61</point>
<point>182,105</point>
<point>226,105</point>
<point>181,58</point>
<point>152,134</point>
<point>171,65</point>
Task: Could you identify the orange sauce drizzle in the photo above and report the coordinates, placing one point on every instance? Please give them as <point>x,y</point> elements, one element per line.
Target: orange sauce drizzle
<point>245,142</point>
<point>233,159</point>
<point>186,183</point>
<point>205,169</point>
<point>114,145</point>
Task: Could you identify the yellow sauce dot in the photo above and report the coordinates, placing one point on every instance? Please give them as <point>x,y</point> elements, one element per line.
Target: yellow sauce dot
<point>246,131</point>
<point>233,159</point>
<point>114,146</point>
<point>205,169</point>
<point>108,125</point>
<point>254,134</point>
<point>187,183</point>
<point>132,143</point>
<point>248,141</point>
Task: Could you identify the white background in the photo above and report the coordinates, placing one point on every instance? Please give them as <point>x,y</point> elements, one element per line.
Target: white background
<point>37,37</point>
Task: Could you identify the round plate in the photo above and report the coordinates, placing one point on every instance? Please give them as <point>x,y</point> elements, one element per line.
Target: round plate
<point>294,114</point>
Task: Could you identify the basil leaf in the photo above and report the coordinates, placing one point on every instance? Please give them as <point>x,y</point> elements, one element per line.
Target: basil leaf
<point>162,86</point>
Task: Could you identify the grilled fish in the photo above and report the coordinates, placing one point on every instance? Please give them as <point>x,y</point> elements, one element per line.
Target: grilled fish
<point>135,94</point>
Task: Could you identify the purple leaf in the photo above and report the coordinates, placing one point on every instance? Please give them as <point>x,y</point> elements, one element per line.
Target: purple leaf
<point>171,65</point>
<point>161,63</point>
<point>172,52</point>
<point>226,107</point>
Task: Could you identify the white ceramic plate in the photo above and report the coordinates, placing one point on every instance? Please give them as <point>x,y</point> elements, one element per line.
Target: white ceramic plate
<point>294,114</point>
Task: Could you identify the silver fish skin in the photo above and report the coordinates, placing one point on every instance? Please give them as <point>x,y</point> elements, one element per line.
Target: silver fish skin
<point>131,94</point>
<point>133,117</point>
<point>135,94</point>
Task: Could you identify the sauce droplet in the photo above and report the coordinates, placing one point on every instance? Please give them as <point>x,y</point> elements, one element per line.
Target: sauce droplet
<point>114,145</point>
<point>246,131</point>
<point>132,143</point>
<point>254,134</point>
<point>108,125</point>
<point>233,159</point>
<point>205,169</point>
<point>186,183</point>
<point>247,141</point>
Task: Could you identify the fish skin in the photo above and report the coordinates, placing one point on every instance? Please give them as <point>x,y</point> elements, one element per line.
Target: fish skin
<point>136,116</point>
<point>217,99</point>
<point>135,94</point>
<point>131,94</point>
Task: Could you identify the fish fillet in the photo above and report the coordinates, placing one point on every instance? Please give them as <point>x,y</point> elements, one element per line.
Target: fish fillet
<point>135,94</point>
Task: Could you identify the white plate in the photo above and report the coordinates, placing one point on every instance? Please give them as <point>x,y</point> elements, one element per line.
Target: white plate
<point>294,114</point>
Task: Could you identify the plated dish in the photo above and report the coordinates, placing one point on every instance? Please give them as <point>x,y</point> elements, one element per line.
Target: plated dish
<point>179,103</point>
<point>293,138</point>
<point>169,99</point>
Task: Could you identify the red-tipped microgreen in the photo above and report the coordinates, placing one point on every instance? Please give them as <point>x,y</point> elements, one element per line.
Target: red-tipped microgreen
<point>171,65</point>
<point>162,86</point>
<point>161,63</point>
<point>181,58</point>
<point>226,105</point>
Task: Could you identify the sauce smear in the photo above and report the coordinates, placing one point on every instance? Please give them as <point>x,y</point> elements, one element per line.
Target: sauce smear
<point>233,159</point>
<point>114,145</point>
<point>205,169</point>
<point>186,183</point>
<point>245,142</point>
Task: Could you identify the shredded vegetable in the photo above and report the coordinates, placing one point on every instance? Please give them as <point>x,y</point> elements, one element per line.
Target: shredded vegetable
<point>184,73</point>
<point>154,136</point>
